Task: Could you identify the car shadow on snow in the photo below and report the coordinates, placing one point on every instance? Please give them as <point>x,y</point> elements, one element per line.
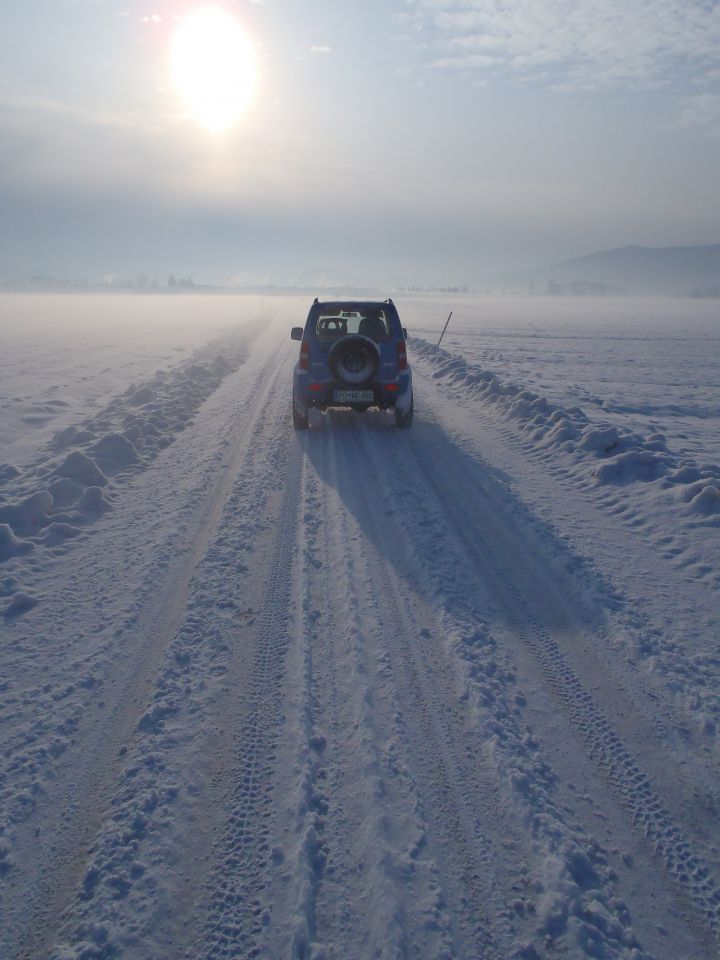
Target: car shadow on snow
<point>435,511</point>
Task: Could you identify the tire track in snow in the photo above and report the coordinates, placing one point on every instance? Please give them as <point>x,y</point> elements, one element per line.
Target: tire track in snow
<point>689,707</point>
<point>449,865</point>
<point>309,815</point>
<point>684,865</point>
<point>377,888</point>
<point>205,688</point>
<point>106,746</point>
<point>694,706</point>
<point>475,837</point>
<point>304,787</point>
<point>675,547</point>
<point>234,900</point>
<point>615,502</point>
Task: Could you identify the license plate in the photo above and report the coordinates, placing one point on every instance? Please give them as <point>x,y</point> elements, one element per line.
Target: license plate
<point>353,396</point>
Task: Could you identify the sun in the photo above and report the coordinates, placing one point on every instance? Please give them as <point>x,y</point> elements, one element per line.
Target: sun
<point>212,62</point>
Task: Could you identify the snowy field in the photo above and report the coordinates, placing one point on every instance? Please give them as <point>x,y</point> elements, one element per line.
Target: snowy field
<point>644,363</point>
<point>451,692</point>
<point>62,357</point>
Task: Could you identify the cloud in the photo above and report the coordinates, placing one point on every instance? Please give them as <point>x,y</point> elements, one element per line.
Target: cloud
<point>582,44</point>
<point>49,142</point>
<point>702,110</point>
<point>315,50</point>
<point>33,107</point>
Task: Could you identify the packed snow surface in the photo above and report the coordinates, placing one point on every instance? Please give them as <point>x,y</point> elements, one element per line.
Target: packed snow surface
<point>358,692</point>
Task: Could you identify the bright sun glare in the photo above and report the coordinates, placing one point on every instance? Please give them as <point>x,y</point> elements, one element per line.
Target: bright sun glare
<point>213,67</point>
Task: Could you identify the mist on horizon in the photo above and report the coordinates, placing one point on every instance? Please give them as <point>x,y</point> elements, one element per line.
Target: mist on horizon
<point>412,143</point>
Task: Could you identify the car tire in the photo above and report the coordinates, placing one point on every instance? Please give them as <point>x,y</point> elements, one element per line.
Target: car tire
<point>404,419</point>
<point>354,360</point>
<point>300,421</point>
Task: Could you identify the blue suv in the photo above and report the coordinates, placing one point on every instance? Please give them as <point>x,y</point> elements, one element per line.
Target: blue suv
<point>352,354</point>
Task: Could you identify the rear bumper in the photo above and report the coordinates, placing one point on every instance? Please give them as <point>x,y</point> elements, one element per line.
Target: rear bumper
<point>319,394</point>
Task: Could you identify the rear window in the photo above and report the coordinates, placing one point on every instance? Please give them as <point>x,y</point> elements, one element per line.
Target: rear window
<point>332,321</point>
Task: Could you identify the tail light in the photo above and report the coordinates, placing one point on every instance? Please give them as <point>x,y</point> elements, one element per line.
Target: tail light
<point>402,355</point>
<point>304,355</point>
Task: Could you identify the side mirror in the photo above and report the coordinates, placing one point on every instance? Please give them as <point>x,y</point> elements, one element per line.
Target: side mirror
<point>405,333</point>
<point>296,333</point>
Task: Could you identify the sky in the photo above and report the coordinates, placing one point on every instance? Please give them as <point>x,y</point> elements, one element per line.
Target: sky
<point>383,142</point>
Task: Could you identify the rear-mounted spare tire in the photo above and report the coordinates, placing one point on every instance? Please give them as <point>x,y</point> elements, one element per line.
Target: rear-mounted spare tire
<point>354,360</point>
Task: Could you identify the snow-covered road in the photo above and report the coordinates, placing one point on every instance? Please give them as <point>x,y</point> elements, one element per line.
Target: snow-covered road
<point>353,693</point>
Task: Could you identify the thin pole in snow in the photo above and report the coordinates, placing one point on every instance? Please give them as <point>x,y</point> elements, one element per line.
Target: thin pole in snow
<point>444,328</point>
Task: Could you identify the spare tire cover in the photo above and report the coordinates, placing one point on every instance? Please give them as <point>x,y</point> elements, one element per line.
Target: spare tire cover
<point>354,360</point>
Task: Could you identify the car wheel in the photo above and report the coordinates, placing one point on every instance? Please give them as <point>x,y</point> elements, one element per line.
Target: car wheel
<point>354,360</point>
<point>300,421</point>
<point>404,420</point>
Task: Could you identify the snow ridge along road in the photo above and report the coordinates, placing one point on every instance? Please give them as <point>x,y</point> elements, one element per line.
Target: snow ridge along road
<point>355,699</point>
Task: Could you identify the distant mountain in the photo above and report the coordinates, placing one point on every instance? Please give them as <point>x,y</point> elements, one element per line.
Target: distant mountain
<point>673,271</point>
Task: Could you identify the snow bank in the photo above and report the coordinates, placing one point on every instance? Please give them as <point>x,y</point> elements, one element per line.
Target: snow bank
<point>702,498</point>
<point>93,501</point>
<point>57,533</point>
<point>611,454</point>
<point>65,491</point>
<point>78,466</point>
<point>115,451</point>
<point>71,484</point>
<point>20,603</point>
<point>8,471</point>
<point>10,545</point>
<point>28,514</point>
